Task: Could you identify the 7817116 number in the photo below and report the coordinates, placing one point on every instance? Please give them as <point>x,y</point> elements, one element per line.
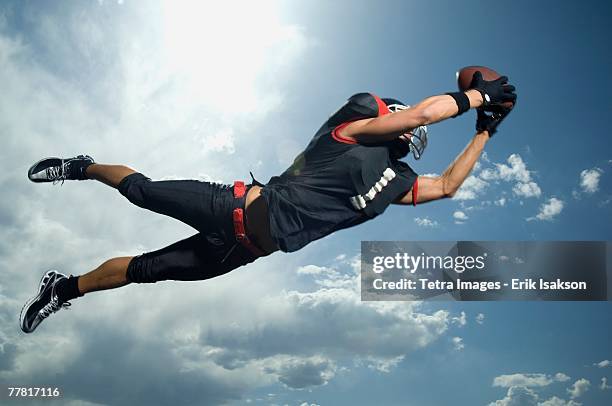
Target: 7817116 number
<point>33,392</point>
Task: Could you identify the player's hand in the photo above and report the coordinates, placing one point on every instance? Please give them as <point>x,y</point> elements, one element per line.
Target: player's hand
<point>489,121</point>
<point>494,92</point>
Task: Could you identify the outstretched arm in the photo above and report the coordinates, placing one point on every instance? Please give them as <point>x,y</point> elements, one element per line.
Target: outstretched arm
<point>447,184</point>
<point>431,110</point>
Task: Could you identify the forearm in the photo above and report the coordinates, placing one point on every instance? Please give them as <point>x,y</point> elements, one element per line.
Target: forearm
<point>438,108</point>
<point>446,185</point>
<point>456,173</point>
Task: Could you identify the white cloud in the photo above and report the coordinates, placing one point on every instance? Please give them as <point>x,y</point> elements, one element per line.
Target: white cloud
<point>312,270</point>
<point>460,320</point>
<point>458,344</point>
<point>327,277</point>
<point>579,388</point>
<point>514,171</point>
<point>589,180</point>
<point>222,141</point>
<point>292,323</point>
<point>603,364</point>
<point>460,216</point>
<point>383,365</point>
<point>480,318</point>
<point>561,377</point>
<point>525,396</point>
<point>501,202</point>
<point>521,390</point>
<point>555,401</point>
<point>300,373</point>
<point>604,384</point>
<point>528,380</point>
<point>517,396</point>
<point>517,171</point>
<point>549,210</point>
<point>528,189</point>
<point>471,188</point>
<point>425,222</point>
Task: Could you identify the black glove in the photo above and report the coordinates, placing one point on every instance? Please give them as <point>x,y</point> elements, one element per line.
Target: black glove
<point>489,121</point>
<point>494,92</point>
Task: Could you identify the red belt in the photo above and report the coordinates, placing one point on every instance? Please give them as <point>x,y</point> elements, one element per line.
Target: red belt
<point>238,217</point>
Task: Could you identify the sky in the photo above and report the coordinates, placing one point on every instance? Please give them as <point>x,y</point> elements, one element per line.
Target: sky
<point>213,90</point>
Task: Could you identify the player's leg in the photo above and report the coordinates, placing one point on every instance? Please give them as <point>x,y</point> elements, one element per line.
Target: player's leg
<point>110,274</point>
<point>199,204</point>
<point>81,167</point>
<point>203,205</point>
<point>110,175</point>
<point>56,290</point>
<point>196,258</point>
<point>196,203</point>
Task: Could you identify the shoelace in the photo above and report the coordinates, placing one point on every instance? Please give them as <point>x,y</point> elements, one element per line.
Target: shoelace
<point>53,306</point>
<point>57,173</point>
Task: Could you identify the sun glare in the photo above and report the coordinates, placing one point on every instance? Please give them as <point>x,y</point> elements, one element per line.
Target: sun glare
<point>221,47</point>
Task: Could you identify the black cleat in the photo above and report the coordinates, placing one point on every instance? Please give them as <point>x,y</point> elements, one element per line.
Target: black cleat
<point>43,304</point>
<point>58,170</point>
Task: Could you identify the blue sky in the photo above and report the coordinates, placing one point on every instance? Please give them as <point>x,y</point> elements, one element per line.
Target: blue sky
<point>211,91</point>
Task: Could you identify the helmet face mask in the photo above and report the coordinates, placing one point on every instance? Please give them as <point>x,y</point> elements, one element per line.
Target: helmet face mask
<point>418,141</point>
<point>395,107</point>
<point>415,138</point>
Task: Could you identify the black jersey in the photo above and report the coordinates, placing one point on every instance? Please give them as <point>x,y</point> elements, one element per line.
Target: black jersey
<point>335,183</point>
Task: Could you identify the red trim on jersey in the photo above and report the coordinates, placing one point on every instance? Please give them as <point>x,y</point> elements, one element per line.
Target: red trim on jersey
<point>340,138</point>
<point>415,191</point>
<point>382,110</point>
<point>382,107</point>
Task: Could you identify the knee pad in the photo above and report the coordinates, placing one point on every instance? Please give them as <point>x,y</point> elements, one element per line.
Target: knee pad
<point>141,270</point>
<point>133,188</point>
